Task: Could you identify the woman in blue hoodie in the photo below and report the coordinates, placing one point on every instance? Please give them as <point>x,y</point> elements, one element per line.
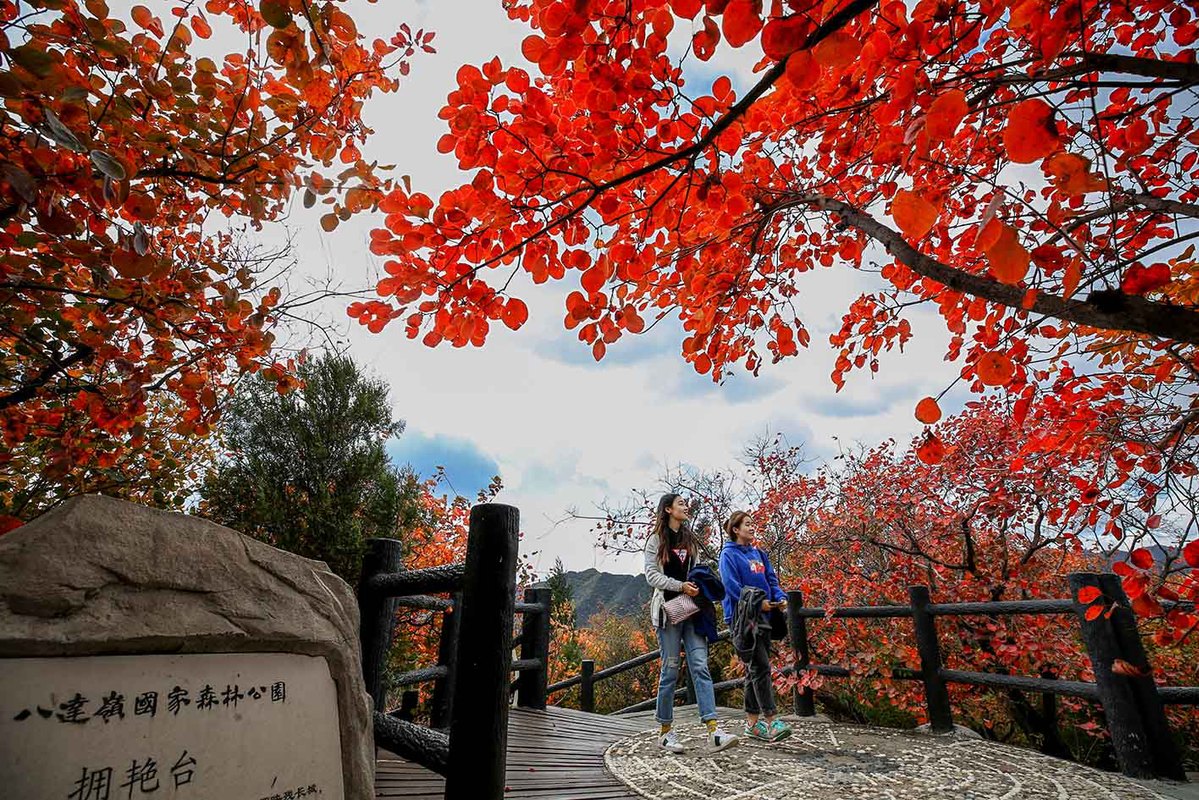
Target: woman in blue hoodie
<point>743,565</point>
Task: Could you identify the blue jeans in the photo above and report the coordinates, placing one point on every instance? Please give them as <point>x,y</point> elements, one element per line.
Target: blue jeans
<point>671,640</point>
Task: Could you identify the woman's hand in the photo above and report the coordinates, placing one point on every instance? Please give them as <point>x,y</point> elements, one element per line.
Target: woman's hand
<point>690,588</point>
<point>767,605</point>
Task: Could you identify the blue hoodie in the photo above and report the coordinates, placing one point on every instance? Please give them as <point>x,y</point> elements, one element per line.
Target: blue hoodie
<point>745,565</point>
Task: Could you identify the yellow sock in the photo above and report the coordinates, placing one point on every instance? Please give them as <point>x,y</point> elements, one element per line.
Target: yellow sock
<point>711,725</point>
<point>665,728</point>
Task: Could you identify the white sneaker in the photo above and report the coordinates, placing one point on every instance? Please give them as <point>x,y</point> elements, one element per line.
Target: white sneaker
<point>669,742</point>
<point>721,740</point>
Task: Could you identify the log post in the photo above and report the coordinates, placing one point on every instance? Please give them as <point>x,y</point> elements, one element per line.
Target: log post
<point>936,695</point>
<point>376,616</point>
<point>535,643</point>
<point>479,718</point>
<point>447,656</point>
<point>587,687</point>
<point>797,629</point>
<point>1140,733</point>
<point>408,703</point>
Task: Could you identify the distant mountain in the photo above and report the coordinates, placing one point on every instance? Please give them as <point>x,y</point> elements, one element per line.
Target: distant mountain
<point>595,591</point>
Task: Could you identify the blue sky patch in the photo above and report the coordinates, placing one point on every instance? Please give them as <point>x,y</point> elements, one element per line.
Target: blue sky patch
<point>467,467</point>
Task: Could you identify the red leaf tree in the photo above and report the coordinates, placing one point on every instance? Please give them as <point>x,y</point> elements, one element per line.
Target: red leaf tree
<point>1037,161</point>
<point>121,150</point>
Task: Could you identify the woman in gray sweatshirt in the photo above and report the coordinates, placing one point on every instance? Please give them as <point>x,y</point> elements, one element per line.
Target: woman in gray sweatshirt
<point>670,552</point>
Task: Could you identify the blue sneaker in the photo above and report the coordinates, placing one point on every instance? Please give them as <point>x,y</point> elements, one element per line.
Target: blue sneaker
<point>758,730</point>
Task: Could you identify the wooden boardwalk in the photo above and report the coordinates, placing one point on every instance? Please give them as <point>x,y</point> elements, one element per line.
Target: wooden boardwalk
<point>556,753</point>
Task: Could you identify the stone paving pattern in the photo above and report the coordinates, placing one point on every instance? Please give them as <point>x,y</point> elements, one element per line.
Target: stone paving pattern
<point>825,760</point>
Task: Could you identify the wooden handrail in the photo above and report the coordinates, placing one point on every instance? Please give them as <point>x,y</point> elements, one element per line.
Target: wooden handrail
<point>1139,729</point>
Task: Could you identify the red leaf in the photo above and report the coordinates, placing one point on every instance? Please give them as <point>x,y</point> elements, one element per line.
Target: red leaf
<point>1089,594</point>
<point>1146,606</point>
<point>927,411</point>
<point>802,70</point>
<point>945,114</point>
<point>1122,569</point>
<point>914,215</point>
<point>995,369</point>
<point>686,9</point>
<point>782,37</point>
<point>1139,280</point>
<point>516,313</point>
<point>1030,133</point>
<point>1122,667</point>
<point>838,50</point>
<point>1008,258</point>
<point>1190,554</point>
<point>742,20</point>
<point>1093,613</point>
<point>1141,558</point>
<point>931,450</point>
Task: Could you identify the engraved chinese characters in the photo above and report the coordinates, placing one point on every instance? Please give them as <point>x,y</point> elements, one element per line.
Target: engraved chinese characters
<point>169,726</point>
<point>236,642</point>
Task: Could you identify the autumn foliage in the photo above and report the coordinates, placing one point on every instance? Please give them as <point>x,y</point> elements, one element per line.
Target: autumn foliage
<point>129,147</point>
<point>972,528</point>
<point>1025,168</point>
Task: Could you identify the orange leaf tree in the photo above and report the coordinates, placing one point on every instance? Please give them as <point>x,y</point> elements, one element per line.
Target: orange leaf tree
<point>117,145</point>
<point>1038,158</point>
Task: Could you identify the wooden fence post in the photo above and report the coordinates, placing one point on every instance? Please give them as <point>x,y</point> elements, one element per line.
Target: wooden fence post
<point>805,702</point>
<point>376,616</point>
<point>1140,732</point>
<point>936,696</point>
<point>408,703</point>
<point>479,719</point>
<point>535,643</point>
<point>447,656</point>
<point>587,687</point>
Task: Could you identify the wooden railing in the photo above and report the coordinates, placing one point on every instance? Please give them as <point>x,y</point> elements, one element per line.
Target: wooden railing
<point>467,736</point>
<point>1132,703</point>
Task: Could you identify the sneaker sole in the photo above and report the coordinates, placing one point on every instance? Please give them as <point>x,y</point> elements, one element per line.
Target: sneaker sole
<point>782,736</point>
<point>725,746</point>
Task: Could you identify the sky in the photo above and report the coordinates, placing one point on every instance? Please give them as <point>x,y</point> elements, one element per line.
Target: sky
<point>563,432</point>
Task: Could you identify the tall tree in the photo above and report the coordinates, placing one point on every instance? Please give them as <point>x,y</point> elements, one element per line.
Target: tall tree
<point>1027,168</point>
<point>561,595</point>
<point>308,470</point>
<point>120,147</point>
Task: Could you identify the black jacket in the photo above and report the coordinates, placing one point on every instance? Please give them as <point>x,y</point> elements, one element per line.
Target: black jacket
<point>748,621</point>
<point>711,592</point>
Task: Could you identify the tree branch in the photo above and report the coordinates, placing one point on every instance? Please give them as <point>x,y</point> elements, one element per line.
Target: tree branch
<point>30,388</point>
<point>1133,65</point>
<point>1106,310</point>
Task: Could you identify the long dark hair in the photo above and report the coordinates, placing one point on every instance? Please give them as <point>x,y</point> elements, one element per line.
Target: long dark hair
<point>730,527</point>
<point>661,529</point>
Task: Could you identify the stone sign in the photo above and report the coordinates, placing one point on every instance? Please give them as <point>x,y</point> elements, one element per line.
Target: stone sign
<point>142,649</point>
<point>257,726</point>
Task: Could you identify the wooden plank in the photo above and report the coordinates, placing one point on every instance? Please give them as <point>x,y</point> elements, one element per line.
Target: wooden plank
<point>551,754</point>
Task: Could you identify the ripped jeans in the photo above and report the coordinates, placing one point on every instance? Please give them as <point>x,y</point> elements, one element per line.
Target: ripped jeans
<point>672,639</point>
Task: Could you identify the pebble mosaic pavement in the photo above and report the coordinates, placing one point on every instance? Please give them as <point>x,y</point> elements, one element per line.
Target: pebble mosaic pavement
<point>823,761</point>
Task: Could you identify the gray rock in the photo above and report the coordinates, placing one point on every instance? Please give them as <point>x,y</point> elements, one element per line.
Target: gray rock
<point>98,576</point>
